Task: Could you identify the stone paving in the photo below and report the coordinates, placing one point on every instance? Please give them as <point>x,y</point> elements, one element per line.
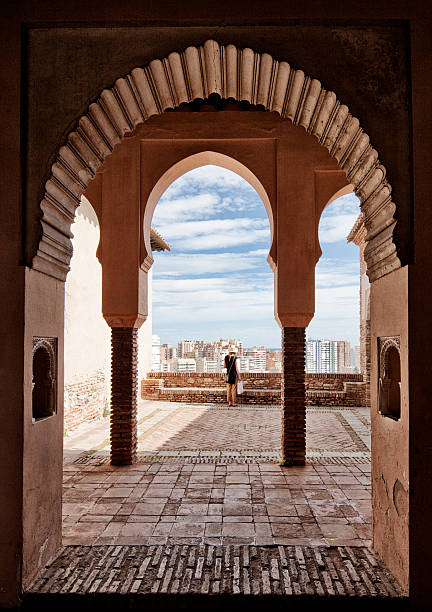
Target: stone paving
<point>205,476</point>
<point>256,503</point>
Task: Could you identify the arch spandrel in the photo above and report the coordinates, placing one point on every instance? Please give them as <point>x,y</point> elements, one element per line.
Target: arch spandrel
<point>196,73</point>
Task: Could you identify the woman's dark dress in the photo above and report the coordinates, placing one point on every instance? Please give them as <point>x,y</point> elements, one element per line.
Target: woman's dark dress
<point>231,370</point>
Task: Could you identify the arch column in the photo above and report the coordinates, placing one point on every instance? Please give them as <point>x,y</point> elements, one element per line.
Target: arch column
<point>293,396</point>
<point>116,196</point>
<point>124,389</point>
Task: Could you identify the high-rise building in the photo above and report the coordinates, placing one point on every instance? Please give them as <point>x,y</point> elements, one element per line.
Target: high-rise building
<point>156,357</point>
<point>343,356</point>
<point>313,362</point>
<point>329,356</point>
<point>321,356</point>
<point>167,352</point>
<point>356,359</point>
<point>259,356</point>
<point>183,365</point>
<point>185,347</point>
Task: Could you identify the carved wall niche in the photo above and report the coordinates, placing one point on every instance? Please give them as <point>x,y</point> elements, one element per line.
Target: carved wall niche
<point>389,377</point>
<point>44,378</point>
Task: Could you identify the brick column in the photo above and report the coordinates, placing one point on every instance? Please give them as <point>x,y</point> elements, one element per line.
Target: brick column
<point>124,386</point>
<point>293,396</point>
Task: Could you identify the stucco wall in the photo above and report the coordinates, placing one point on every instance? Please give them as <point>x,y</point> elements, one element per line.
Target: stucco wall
<point>87,335</point>
<point>390,450</point>
<point>145,337</point>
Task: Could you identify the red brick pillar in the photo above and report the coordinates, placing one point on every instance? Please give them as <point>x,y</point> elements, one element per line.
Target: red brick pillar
<point>124,387</point>
<point>293,396</point>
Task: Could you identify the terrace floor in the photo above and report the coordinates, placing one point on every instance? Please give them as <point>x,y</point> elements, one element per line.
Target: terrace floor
<point>207,510</point>
<point>209,475</point>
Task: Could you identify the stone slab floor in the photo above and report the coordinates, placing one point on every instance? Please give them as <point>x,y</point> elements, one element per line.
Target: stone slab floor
<point>209,475</point>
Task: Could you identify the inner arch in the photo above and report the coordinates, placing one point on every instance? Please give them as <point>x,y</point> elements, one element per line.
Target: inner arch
<point>197,160</point>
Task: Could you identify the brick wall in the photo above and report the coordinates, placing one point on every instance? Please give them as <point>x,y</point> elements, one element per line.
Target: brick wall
<point>85,400</point>
<point>251,381</point>
<point>265,388</point>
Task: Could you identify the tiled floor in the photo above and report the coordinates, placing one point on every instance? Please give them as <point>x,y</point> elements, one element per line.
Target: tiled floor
<point>179,498</point>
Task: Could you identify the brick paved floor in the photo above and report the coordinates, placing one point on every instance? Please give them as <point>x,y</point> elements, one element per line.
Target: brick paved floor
<point>146,571</point>
<point>256,503</point>
<point>205,477</point>
<point>171,429</point>
<point>208,510</point>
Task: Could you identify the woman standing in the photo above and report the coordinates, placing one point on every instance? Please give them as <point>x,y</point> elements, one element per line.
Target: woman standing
<point>232,375</point>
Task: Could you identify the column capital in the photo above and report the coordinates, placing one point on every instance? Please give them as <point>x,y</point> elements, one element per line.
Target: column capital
<point>294,319</point>
<point>125,320</point>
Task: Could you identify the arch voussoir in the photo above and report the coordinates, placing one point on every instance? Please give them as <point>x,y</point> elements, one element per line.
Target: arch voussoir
<point>197,73</point>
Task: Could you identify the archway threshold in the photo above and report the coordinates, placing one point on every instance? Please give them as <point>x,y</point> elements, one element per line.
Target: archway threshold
<point>172,577</point>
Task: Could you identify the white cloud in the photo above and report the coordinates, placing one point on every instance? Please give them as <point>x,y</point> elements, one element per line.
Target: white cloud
<point>206,295</point>
<point>338,218</point>
<point>336,227</point>
<point>215,233</point>
<point>203,205</point>
<point>336,273</point>
<point>208,176</point>
<point>196,264</point>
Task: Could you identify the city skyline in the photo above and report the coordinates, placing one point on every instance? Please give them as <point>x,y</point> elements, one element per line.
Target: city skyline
<point>216,275</point>
<point>192,355</point>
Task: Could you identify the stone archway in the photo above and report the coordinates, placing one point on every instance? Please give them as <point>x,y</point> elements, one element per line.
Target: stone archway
<point>197,73</point>
<point>226,72</point>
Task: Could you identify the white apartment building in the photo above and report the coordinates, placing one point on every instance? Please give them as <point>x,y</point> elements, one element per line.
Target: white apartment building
<point>322,356</point>
<point>206,365</point>
<point>185,347</point>
<point>356,360</point>
<point>258,356</point>
<point>156,360</point>
<point>183,365</point>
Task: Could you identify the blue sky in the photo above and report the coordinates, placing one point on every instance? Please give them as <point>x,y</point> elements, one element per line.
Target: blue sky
<point>216,282</point>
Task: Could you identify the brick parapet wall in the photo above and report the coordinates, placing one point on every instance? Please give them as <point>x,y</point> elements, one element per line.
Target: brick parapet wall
<point>85,400</point>
<point>321,389</point>
<point>259,380</point>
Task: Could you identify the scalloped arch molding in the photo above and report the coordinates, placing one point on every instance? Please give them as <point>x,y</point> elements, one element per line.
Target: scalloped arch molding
<point>193,74</point>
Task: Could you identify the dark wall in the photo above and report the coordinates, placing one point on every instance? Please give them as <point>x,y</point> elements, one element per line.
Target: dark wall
<point>365,64</point>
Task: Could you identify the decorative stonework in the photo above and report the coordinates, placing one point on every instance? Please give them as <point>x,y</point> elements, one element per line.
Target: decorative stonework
<point>384,343</point>
<point>44,377</point>
<point>389,371</point>
<point>50,345</point>
<point>293,396</point>
<point>196,73</point>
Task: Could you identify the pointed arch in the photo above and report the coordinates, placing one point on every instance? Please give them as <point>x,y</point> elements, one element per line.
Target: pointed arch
<point>196,73</point>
